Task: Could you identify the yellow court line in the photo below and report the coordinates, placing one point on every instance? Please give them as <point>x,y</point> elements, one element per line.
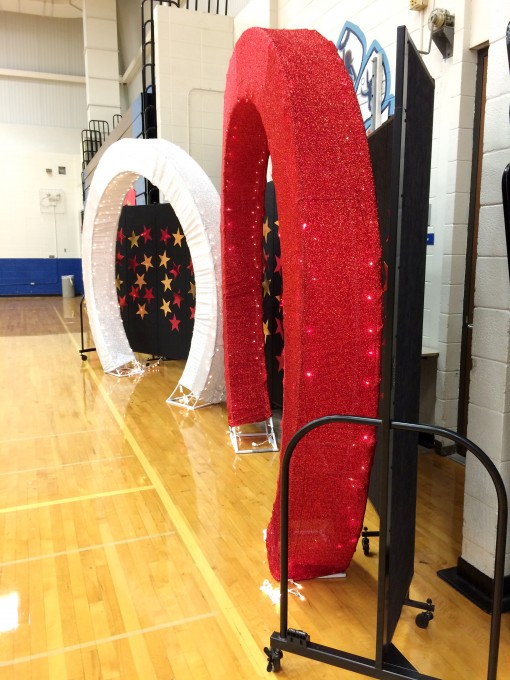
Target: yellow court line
<point>225,604</point>
<point>107,640</point>
<point>72,499</point>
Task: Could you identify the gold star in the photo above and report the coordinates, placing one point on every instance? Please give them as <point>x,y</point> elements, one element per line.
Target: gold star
<point>163,259</point>
<point>192,289</point>
<point>142,311</point>
<point>166,282</point>
<point>165,306</point>
<point>277,223</point>
<point>134,239</point>
<point>266,229</point>
<point>118,282</point>
<point>140,280</point>
<point>265,286</point>
<point>147,262</point>
<point>265,327</point>
<point>178,238</point>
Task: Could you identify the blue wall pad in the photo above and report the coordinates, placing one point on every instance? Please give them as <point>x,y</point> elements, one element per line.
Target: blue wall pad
<point>38,276</point>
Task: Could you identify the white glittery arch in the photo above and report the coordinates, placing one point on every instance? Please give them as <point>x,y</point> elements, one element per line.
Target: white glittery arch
<point>197,206</point>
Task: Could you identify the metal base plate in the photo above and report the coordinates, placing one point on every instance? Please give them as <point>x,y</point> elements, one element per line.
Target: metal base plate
<point>254,437</point>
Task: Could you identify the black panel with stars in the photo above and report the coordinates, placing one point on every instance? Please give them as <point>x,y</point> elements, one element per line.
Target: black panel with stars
<point>155,282</point>
<point>272,309</point>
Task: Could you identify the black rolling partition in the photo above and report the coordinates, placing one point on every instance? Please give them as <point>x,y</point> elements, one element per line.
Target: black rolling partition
<point>410,177</point>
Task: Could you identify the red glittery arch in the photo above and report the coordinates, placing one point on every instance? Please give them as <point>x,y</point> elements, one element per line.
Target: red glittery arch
<point>288,94</point>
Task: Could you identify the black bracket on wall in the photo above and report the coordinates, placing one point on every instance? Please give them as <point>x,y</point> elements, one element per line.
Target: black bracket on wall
<point>505,188</point>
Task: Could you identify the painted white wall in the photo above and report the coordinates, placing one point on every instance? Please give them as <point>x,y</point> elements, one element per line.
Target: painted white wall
<point>193,53</point>
<point>41,44</point>
<point>27,229</point>
<point>263,14</point>
<point>101,57</point>
<point>129,31</point>
<point>41,118</point>
<point>489,408</point>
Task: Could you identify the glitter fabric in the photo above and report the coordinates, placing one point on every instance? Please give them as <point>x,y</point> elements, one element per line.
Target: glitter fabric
<point>196,204</point>
<point>288,94</point>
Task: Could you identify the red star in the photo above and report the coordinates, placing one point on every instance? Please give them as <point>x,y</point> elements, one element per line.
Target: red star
<point>122,301</point>
<point>134,292</point>
<point>149,295</point>
<point>178,299</point>
<point>191,312</point>
<point>279,327</point>
<point>119,257</point>
<point>278,267</point>
<point>146,234</point>
<point>120,236</point>
<point>176,270</point>
<point>164,235</point>
<point>190,267</point>
<point>174,321</point>
<point>130,198</point>
<point>281,361</point>
<point>265,258</point>
<point>133,263</point>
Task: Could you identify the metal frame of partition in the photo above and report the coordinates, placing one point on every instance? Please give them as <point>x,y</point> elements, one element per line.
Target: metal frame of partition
<point>388,662</point>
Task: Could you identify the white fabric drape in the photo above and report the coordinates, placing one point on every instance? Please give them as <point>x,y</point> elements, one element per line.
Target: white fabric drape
<point>197,206</point>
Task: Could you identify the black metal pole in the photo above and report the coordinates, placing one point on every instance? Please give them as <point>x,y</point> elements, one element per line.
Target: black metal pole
<point>81,322</point>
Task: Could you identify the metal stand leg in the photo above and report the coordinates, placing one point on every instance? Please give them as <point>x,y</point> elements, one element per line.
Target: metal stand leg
<point>83,350</point>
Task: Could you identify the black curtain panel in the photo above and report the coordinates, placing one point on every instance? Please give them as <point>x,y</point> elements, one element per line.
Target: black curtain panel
<point>155,282</point>
<point>272,307</point>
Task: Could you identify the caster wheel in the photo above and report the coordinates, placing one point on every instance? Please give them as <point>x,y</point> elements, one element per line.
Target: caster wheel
<point>423,619</point>
<point>273,659</point>
<point>84,357</point>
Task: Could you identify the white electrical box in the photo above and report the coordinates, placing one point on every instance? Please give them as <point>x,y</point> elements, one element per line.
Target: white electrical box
<point>418,4</point>
<point>51,201</point>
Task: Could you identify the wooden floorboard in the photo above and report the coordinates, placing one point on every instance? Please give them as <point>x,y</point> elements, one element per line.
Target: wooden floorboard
<point>132,535</point>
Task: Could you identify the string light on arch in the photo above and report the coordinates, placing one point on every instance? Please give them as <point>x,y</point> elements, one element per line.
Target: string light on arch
<point>196,204</point>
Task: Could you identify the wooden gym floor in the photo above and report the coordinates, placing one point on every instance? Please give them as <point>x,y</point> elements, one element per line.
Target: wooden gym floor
<point>132,536</point>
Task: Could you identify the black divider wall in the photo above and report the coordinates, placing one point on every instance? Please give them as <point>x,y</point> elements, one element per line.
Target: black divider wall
<point>401,151</point>
<point>155,282</point>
